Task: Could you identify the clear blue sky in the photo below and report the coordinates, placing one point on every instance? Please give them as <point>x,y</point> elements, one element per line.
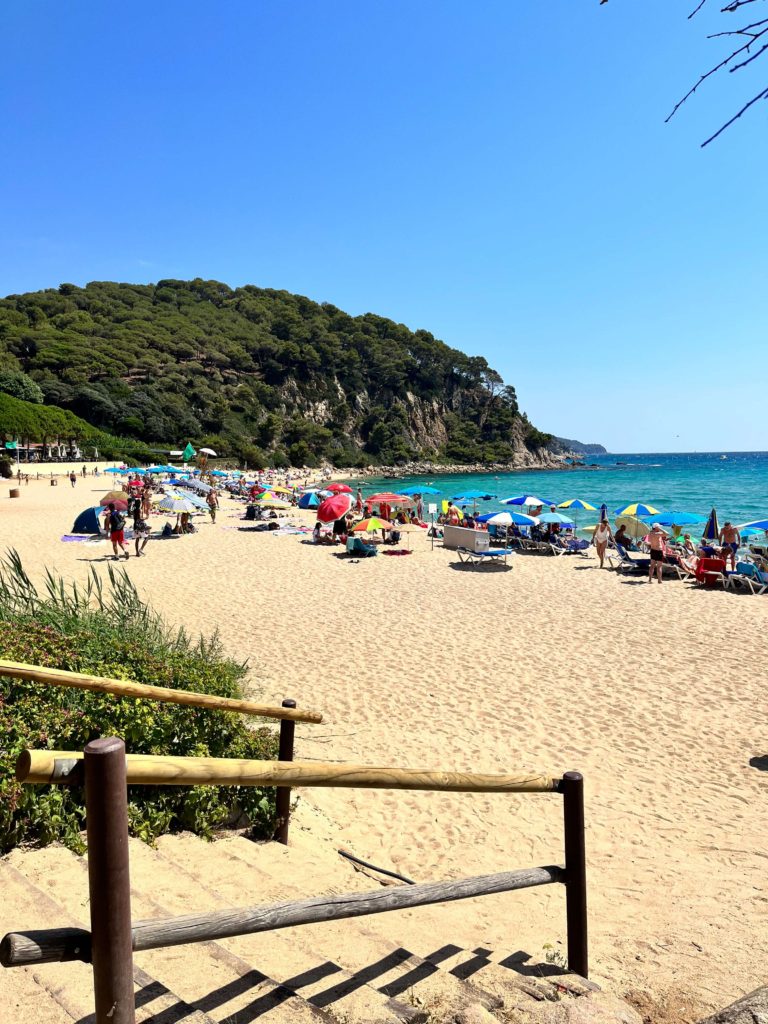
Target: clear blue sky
<point>498,173</point>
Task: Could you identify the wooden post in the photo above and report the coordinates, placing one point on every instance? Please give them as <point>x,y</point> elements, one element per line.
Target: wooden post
<point>106,805</point>
<point>572,788</point>
<point>283,793</point>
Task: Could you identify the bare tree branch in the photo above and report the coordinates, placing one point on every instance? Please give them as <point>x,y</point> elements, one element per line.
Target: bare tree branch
<point>760,96</point>
<point>752,33</point>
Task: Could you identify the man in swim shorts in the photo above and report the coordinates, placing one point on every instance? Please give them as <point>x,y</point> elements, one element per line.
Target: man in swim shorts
<point>656,541</point>
<point>730,539</point>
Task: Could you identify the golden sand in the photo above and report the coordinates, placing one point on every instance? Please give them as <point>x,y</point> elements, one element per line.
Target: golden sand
<point>655,693</point>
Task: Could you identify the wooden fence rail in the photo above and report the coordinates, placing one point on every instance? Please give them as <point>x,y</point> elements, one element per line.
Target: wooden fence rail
<point>24,949</point>
<point>65,767</point>
<point>140,691</point>
<point>106,769</point>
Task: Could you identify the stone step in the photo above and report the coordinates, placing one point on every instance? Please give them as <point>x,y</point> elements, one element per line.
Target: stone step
<point>208,979</point>
<point>53,993</point>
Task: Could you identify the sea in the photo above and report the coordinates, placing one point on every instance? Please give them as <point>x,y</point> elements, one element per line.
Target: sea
<point>735,483</point>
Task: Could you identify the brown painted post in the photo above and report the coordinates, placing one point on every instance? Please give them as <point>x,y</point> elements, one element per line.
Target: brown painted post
<point>106,805</point>
<point>283,793</point>
<point>572,788</point>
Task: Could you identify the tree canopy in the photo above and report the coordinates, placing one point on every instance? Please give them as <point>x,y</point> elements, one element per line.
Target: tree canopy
<point>258,373</point>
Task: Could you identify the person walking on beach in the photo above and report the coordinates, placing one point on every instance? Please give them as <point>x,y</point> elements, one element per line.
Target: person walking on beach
<point>601,537</point>
<point>656,542</point>
<point>213,504</point>
<point>73,478</point>
<point>115,522</point>
<point>141,528</point>
<point>730,539</point>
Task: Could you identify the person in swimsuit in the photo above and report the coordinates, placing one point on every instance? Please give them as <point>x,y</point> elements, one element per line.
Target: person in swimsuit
<point>656,542</point>
<point>601,537</point>
<point>730,538</point>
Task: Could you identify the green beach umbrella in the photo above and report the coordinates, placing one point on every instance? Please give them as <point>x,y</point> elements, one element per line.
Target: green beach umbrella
<point>188,453</point>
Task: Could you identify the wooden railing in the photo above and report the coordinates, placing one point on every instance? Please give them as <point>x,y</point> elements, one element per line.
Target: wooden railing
<point>106,772</point>
<point>287,713</point>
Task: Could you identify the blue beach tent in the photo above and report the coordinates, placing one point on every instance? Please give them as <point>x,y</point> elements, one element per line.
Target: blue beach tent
<point>88,521</point>
<point>309,500</point>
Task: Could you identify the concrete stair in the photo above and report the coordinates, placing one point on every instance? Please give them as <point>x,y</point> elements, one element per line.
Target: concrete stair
<point>346,972</point>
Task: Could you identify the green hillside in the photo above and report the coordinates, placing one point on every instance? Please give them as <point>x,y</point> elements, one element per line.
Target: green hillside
<point>258,374</point>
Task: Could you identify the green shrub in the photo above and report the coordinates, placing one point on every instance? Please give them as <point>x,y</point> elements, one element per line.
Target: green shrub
<point>111,632</point>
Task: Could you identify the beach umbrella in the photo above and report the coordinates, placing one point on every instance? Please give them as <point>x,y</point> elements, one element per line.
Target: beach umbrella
<point>508,519</point>
<point>420,489</point>
<point>373,524</point>
<point>334,508</point>
<point>389,498</point>
<point>712,529</point>
<point>281,490</point>
<point>473,496</point>
<point>636,508</point>
<point>196,500</point>
<point>577,503</point>
<point>635,527</point>
<point>121,504</point>
<point>115,469</point>
<point>207,451</point>
<point>219,472</point>
<point>529,500</point>
<point>678,518</point>
<point>114,496</point>
<point>603,513</point>
<point>757,525</point>
<point>274,503</point>
<point>197,485</point>
<point>176,503</point>
<point>339,488</point>
<point>555,517</point>
<point>745,531</point>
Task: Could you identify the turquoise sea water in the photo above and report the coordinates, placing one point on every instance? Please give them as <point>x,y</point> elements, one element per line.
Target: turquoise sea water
<point>737,485</point>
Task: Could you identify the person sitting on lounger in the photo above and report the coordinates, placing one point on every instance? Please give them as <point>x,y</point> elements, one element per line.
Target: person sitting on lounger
<point>621,537</point>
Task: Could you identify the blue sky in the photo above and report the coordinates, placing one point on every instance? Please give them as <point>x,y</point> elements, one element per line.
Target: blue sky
<point>498,173</point>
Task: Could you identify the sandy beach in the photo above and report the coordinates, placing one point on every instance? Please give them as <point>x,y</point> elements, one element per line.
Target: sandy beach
<point>653,692</point>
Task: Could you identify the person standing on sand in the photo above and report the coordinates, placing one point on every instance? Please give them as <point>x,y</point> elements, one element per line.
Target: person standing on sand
<point>601,537</point>
<point>115,524</point>
<point>656,542</point>
<point>73,478</point>
<point>359,501</point>
<point>730,539</point>
<point>141,528</point>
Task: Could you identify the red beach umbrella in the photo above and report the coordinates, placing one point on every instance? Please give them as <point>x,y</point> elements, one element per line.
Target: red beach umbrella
<point>334,508</point>
<point>338,489</point>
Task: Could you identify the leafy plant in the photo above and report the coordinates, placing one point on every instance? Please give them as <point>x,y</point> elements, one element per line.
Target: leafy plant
<point>106,629</point>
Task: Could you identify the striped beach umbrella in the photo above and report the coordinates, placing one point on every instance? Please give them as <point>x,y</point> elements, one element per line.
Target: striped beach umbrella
<point>636,508</point>
<point>577,503</point>
<point>712,529</point>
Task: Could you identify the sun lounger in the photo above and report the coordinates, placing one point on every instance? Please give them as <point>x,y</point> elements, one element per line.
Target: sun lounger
<point>619,560</point>
<point>748,575</point>
<point>711,571</point>
<point>355,546</point>
<point>493,556</point>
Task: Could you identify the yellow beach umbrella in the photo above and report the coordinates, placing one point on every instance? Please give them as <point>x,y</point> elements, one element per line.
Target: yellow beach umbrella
<point>635,527</point>
<point>273,503</point>
<point>371,525</point>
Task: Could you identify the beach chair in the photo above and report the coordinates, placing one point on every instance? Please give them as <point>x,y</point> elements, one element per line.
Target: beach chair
<point>748,575</point>
<point>356,546</point>
<point>493,556</point>
<point>619,560</point>
<point>711,572</point>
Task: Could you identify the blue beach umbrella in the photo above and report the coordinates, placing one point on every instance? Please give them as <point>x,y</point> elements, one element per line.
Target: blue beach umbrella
<point>530,500</point>
<point>756,525</point>
<point>418,489</point>
<point>115,469</point>
<point>472,496</point>
<point>678,519</point>
<point>712,529</point>
<point>555,517</point>
<point>603,513</point>
<point>508,519</point>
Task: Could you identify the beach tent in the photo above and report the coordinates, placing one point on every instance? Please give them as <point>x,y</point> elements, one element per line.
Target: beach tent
<point>88,521</point>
